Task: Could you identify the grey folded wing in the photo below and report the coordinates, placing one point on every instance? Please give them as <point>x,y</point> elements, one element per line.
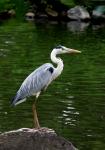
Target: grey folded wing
<point>35,82</point>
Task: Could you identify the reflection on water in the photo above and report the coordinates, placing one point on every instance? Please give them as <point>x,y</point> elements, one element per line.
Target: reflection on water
<point>74,104</point>
<point>75,26</point>
<point>98,26</point>
<point>66,114</point>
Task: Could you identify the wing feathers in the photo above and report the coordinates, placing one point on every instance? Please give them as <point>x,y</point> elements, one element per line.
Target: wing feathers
<point>34,83</point>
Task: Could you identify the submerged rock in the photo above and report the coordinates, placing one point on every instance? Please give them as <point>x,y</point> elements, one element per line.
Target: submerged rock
<point>34,139</point>
<point>78,13</point>
<point>99,12</point>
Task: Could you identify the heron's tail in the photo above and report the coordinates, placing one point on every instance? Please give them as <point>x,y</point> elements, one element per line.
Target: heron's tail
<point>15,100</point>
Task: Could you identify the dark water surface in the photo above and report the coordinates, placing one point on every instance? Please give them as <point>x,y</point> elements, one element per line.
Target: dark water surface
<point>74,104</point>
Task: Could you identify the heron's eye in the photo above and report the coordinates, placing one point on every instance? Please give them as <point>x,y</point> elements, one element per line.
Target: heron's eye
<point>59,47</point>
<point>63,49</point>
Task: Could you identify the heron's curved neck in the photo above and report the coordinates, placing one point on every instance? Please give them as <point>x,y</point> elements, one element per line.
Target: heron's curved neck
<point>57,61</point>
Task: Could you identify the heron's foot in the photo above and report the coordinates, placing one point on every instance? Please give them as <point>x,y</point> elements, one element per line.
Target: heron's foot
<point>36,124</point>
<point>37,127</point>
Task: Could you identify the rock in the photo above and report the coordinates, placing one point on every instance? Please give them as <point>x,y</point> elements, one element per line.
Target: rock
<point>4,15</point>
<point>30,16</point>
<point>99,12</point>
<point>34,139</point>
<point>7,14</point>
<point>51,12</point>
<point>12,12</point>
<point>78,13</point>
<point>40,15</point>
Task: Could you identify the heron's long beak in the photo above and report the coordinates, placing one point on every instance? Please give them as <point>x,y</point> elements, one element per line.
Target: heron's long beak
<point>73,51</point>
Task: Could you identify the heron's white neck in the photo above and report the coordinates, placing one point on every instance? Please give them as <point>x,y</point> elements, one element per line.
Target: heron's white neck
<point>57,61</point>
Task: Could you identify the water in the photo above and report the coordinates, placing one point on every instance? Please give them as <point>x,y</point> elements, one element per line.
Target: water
<point>74,104</point>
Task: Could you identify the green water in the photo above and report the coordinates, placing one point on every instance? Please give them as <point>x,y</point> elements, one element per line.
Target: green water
<point>74,104</point>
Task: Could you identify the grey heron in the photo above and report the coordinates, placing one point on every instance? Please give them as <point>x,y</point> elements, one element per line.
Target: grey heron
<point>40,78</point>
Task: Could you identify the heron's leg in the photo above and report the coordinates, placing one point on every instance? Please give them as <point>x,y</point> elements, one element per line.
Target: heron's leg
<point>36,121</point>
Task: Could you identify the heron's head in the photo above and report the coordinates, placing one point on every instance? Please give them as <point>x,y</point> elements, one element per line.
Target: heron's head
<point>62,49</point>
